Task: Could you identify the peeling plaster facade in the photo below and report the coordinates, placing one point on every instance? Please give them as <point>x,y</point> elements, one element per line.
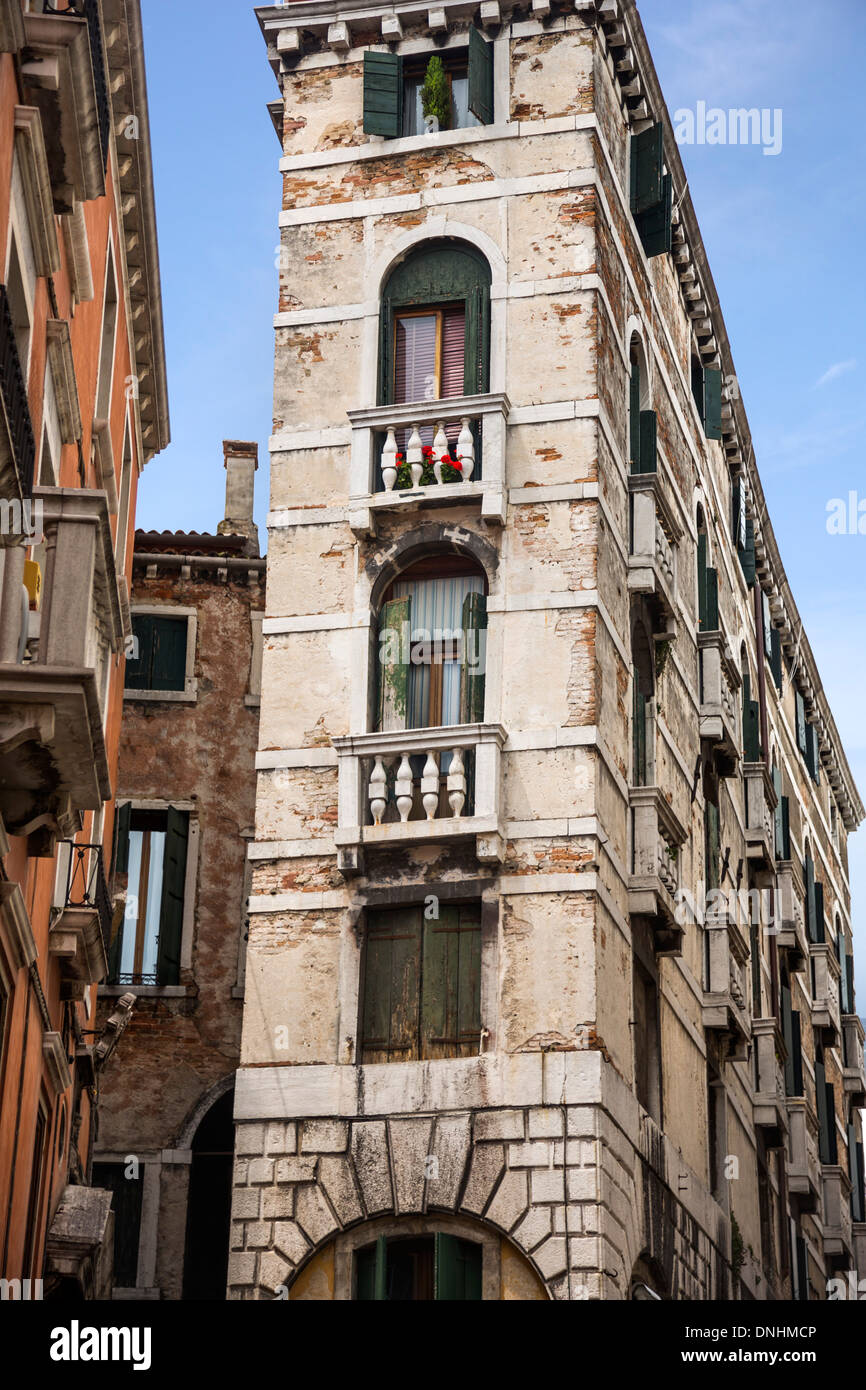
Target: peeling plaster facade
<point>541,1140</point>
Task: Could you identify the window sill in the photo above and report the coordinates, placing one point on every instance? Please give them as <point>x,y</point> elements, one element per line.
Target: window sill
<point>189,696</point>
<point>146,991</point>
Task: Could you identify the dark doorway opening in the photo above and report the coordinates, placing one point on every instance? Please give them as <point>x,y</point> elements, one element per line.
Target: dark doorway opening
<point>205,1267</point>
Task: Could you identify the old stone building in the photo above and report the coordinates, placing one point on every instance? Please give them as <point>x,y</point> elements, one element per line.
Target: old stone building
<point>186,798</point>
<point>549,977</point>
<point>83,407</point>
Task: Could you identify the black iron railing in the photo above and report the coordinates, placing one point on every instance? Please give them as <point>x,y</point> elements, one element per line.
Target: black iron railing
<point>14,391</point>
<point>86,885</point>
<point>89,10</point>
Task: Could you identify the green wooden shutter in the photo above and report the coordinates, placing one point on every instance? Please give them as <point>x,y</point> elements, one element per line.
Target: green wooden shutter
<point>751,724</point>
<point>702,579</point>
<point>794,1049</point>
<point>451,984</point>
<point>474,659</point>
<point>712,834</point>
<point>738,518</point>
<point>392,969</point>
<point>848,1005</point>
<point>634,417</point>
<point>800,708</point>
<point>480,77</point>
<point>777,787</point>
<point>476,358</point>
<point>647,457</point>
<point>819,911</point>
<point>809,878</point>
<point>655,226</point>
<point>813,760</point>
<point>639,721</point>
<point>802,1269</point>
<point>755,960</point>
<point>747,555</point>
<point>383,94</point>
<point>457,1268</point>
<point>858,1198</point>
<point>393,670</point>
<point>138,668</point>
<point>826,1104</point>
<point>380,1285</point>
<point>122,817</point>
<point>371,1272</point>
<point>776,657</point>
<point>843,974</point>
<point>171,906</point>
<point>646,175</point>
<point>768,622</point>
<point>712,624</point>
<point>168,671</point>
<point>783,829</point>
<point>713,402</point>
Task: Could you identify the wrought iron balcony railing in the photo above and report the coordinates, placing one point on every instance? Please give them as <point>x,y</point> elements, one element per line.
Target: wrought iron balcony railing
<point>15,405</point>
<point>86,885</point>
<point>89,10</point>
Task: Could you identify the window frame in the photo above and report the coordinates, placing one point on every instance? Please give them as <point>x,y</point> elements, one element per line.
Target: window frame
<point>347,1243</point>
<point>189,694</point>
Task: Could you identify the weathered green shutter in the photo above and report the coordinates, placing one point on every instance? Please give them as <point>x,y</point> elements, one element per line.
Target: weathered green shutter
<point>848,1001</point>
<point>800,709</point>
<point>713,402</point>
<point>138,668</point>
<point>168,670</point>
<point>809,879</point>
<point>371,1272</point>
<point>738,518</point>
<point>702,579</point>
<point>480,77</point>
<point>646,176</point>
<point>777,787</point>
<point>171,906</point>
<point>747,555</point>
<point>639,769</point>
<point>451,983</point>
<point>634,417</point>
<point>655,225</point>
<point>712,614</point>
<point>843,974</point>
<point>751,724</point>
<point>826,1104</point>
<point>380,1282</point>
<point>776,657</point>
<point>392,969</point>
<point>793,1047</point>
<point>858,1198</point>
<point>819,911</point>
<point>783,829</point>
<point>813,760</point>
<point>474,656</point>
<point>647,460</point>
<point>457,1268</point>
<point>122,818</point>
<point>394,646</point>
<point>383,94</point>
<point>768,622</point>
<point>802,1263</point>
<point>713,844</point>
<point>476,360</point>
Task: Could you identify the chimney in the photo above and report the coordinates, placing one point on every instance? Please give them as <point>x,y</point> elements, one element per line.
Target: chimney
<point>241,461</point>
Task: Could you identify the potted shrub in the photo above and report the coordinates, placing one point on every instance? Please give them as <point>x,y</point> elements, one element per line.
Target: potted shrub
<point>436,97</point>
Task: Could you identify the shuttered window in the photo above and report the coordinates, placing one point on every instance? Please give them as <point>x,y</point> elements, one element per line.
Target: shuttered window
<point>634,417</point>
<point>146,946</point>
<point>392,88</point>
<point>747,554</point>
<point>738,514</point>
<point>775,655</point>
<point>707,391</point>
<point>651,190</point>
<point>813,760</point>
<point>855,1173</point>
<point>159,660</point>
<point>793,1046</point>
<point>713,849</point>
<point>751,724</point>
<point>708,589</point>
<point>126,1198</point>
<point>415,1269</point>
<point>480,77</point>
<point>825,1099</point>
<point>422,984</point>
<point>647,446</point>
<point>383,94</point>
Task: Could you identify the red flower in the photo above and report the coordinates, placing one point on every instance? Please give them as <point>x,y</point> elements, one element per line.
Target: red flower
<point>399,458</point>
<point>426,450</point>
<point>446,458</point>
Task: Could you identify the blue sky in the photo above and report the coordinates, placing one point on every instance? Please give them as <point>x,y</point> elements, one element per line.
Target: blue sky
<point>784,236</point>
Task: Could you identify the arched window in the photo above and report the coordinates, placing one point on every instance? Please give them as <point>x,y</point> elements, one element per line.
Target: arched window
<point>643,680</point>
<point>432,645</point>
<point>435,325</point>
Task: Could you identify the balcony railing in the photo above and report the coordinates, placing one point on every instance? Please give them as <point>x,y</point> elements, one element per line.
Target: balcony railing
<point>838,1232</point>
<point>803,1166</point>
<point>720,681</point>
<point>412,786</point>
<point>13,390</point>
<point>86,885</point>
<point>790,924</point>
<point>725,1008</point>
<point>80,934</point>
<point>89,10</point>
<point>854,1078</point>
<point>654,534</point>
<point>654,881</point>
<point>468,431</point>
<point>826,970</point>
<point>761,798</point>
<point>770,1111</point>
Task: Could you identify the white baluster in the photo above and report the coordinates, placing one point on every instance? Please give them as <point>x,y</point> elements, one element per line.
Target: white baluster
<point>440,449</point>
<point>466,450</point>
<point>403,788</point>
<point>430,787</point>
<point>389,460</point>
<point>456,783</point>
<point>378,792</point>
<point>414,457</point>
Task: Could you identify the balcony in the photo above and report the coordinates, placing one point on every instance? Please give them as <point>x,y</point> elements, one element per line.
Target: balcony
<point>55,667</point>
<point>64,72</point>
<point>80,934</point>
<point>803,1166</point>
<point>761,801</point>
<point>838,1226</point>
<point>408,787</point>
<point>769,1109</point>
<point>469,430</point>
<point>654,881</point>
<point>853,1075</point>
<point>725,1009</point>
<point>826,1013</point>
<point>655,532</point>
<point>790,921</point>
<point>17,445</point>
<point>720,681</point>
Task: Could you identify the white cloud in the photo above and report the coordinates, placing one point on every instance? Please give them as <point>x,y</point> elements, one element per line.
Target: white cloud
<point>837,369</point>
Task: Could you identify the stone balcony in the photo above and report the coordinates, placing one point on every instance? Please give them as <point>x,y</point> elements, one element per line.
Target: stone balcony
<point>55,667</point>
<point>768,1103</point>
<point>80,934</point>
<point>469,430</point>
<point>853,1074</point>
<point>761,802</point>
<point>826,1013</point>
<point>803,1166</point>
<point>655,532</point>
<point>790,924</point>
<point>654,881</point>
<point>397,789</point>
<point>838,1226</point>
<point>725,1007</point>
<point>720,681</point>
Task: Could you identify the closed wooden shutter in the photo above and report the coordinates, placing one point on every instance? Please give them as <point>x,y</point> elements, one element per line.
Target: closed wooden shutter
<point>702,579</point>
<point>171,906</point>
<point>712,623</point>
<point>646,168</point>
<point>791,1035</point>
<point>472,673</point>
<point>392,974</point>
<point>776,657</point>
<point>848,998</point>
<point>647,462</point>
<point>809,880</point>
<point>453,350</point>
<point>168,669</point>
<point>140,664</point>
<point>634,417</point>
<point>712,401</point>
<point>800,714</point>
<point>122,817</point>
<point>383,94</point>
<point>451,984</point>
<point>751,724</point>
<point>457,1268</point>
<point>393,663</point>
<point>126,1200</point>
<point>712,831</point>
<point>655,226</point>
<point>777,787</point>
<point>819,911</point>
<point>747,555</point>
<point>738,518</point>
<point>480,77</point>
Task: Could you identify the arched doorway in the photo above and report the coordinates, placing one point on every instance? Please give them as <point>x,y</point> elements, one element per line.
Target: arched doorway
<point>208,1219</point>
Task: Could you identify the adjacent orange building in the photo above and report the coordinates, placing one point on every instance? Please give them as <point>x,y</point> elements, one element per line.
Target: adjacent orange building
<point>82,408</point>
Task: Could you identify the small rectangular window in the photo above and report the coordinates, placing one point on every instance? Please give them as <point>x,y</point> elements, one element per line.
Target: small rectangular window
<point>146,948</point>
<point>457,77</point>
<point>159,655</point>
